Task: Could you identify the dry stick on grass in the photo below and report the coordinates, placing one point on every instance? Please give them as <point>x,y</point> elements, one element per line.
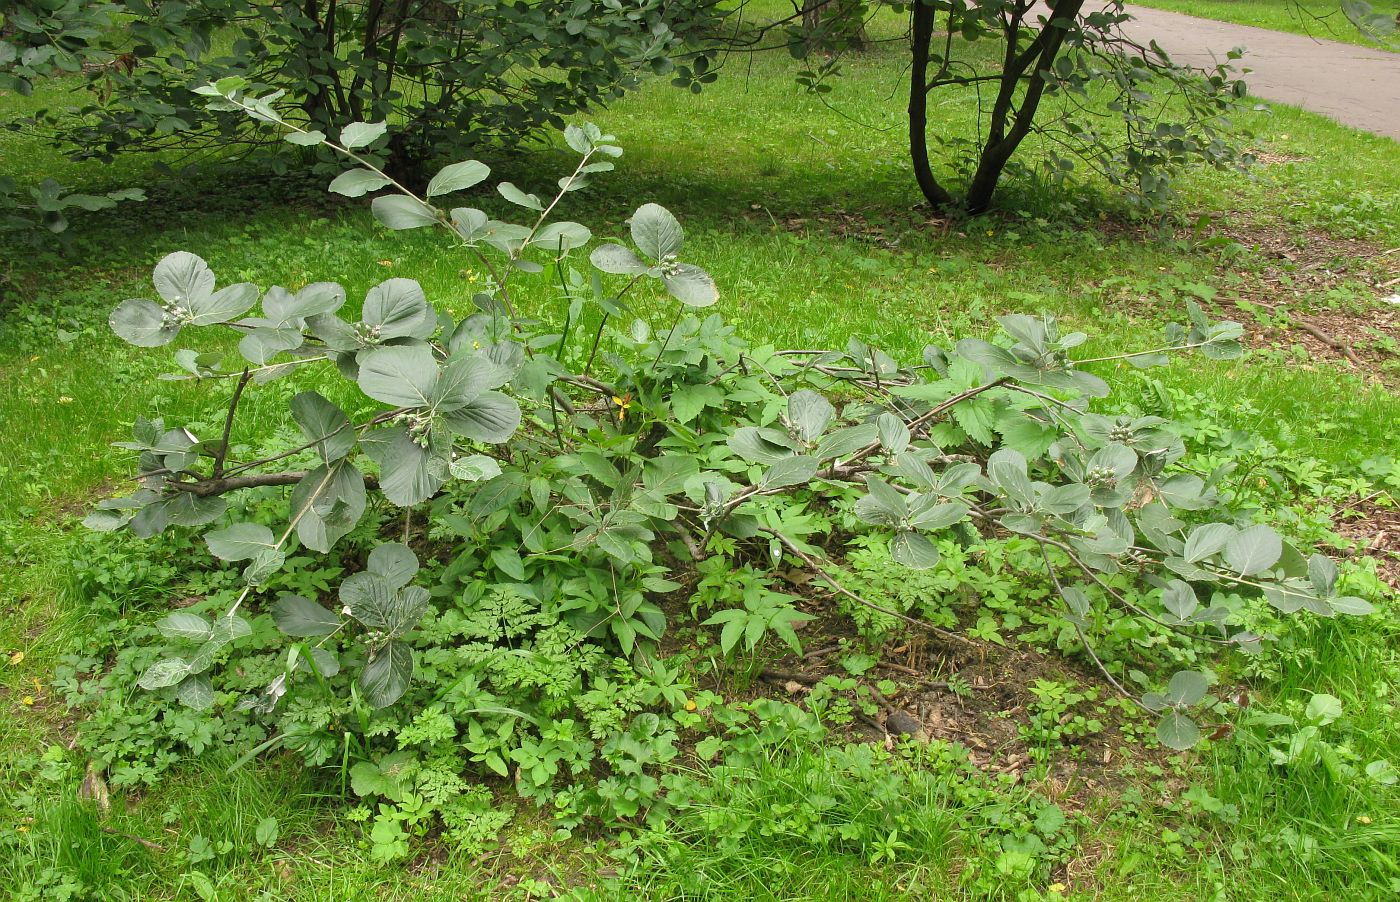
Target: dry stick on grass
<point>154,847</point>
<point>1315,331</point>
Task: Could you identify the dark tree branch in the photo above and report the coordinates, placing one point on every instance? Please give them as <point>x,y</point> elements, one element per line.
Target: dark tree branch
<point>222,454</point>
<point>936,194</point>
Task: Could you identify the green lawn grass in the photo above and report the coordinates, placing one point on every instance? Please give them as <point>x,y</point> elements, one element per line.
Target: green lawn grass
<point>1322,19</point>
<point>810,223</point>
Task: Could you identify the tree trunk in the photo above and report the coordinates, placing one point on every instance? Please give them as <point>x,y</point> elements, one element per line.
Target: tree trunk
<point>1002,143</point>
<point>922,32</point>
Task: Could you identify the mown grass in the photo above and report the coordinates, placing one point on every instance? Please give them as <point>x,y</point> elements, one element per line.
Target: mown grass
<point>810,223</point>
<point>1322,19</point>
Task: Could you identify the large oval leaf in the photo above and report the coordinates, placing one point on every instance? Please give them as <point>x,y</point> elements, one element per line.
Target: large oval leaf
<point>142,323</point>
<point>490,417</point>
<point>458,176</point>
<point>402,376</point>
<point>656,232</point>
<point>386,676</point>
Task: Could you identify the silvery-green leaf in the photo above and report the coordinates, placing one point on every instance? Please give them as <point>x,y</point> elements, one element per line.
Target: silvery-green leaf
<point>203,657</point>
<point>489,417</point>
<point>359,182</point>
<point>323,423</point>
<point>229,627</point>
<point>303,618</point>
<point>457,177</point>
<point>1007,470</point>
<point>1177,731</point>
<point>843,442</point>
<point>142,323</point>
<point>327,664</point>
<point>578,138</point>
<point>762,446</point>
<point>956,478</point>
<point>105,520</point>
<point>405,376</point>
<point>399,211</point>
<point>1063,500</point>
<point>474,468</point>
<point>509,356</point>
<point>1322,572</point>
<point>326,504</point>
<point>881,505</point>
<point>1180,599</point>
<point>240,542</point>
<point>386,676</point>
<point>409,474</point>
<point>618,260</point>
<point>469,222</point>
<point>407,609</point>
<point>359,134</point>
<point>368,598</point>
<point>196,692</point>
<point>810,414</point>
<point>1351,605</point>
<point>1207,539</point>
<point>394,561</point>
<point>894,434</point>
<point>182,277</point>
<point>565,236</point>
<point>930,514</point>
<point>261,345</point>
<point>506,237</point>
<point>1253,550</point>
<point>1288,598</point>
<point>1026,524</point>
<point>305,139</point>
<point>223,305</point>
<point>465,378</point>
<point>400,310</point>
<point>790,471</point>
<point>656,232</point>
<point>184,625</point>
<point>1186,687</point>
<point>1185,491</point>
<point>1077,600</point>
<point>518,197</point>
<point>166,672</point>
<point>913,550</point>
<point>189,509</point>
<point>915,469</point>
<point>691,285</point>
<point>988,355</point>
<point>263,566</point>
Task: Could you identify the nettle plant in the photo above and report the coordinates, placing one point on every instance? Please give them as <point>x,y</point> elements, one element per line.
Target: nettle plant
<point>537,482</point>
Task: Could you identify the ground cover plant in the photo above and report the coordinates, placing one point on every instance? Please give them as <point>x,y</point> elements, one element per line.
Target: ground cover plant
<point>800,797</point>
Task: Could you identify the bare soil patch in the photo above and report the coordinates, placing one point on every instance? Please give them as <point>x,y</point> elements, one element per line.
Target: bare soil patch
<point>1374,529</point>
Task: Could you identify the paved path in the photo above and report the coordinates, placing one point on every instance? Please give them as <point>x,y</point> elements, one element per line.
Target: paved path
<point>1357,86</point>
